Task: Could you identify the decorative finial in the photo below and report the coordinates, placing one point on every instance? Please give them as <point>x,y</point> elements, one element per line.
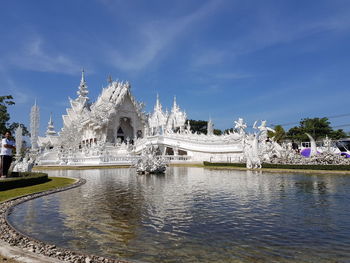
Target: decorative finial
<point>50,127</point>
<point>109,79</point>
<point>82,76</point>
<point>50,121</point>
<point>83,90</point>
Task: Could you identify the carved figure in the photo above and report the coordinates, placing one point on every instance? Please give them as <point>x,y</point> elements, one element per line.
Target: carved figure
<point>150,163</point>
<point>240,126</point>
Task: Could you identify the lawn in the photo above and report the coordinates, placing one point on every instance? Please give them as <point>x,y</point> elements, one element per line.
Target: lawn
<point>55,182</point>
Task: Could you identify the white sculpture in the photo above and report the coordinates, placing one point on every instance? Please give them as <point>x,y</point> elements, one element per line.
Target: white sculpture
<point>25,165</point>
<point>240,126</point>
<point>34,126</point>
<point>263,129</point>
<point>313,151</point>
<point>150,162</point>
<point>210,128</point>
<point>19,141</point>
<point>251,151</point>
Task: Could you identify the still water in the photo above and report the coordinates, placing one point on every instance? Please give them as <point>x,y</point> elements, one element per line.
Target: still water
<point>196,215</point>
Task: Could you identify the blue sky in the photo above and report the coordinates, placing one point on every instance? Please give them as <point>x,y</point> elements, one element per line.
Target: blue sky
<point>274,60</point>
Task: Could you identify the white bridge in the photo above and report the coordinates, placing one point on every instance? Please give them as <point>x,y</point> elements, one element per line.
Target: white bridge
<point>176,148</point>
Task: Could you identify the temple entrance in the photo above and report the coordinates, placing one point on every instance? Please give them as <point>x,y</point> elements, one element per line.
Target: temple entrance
<point>120,135</point>
<point>125,129</point>
<point>110,136</point>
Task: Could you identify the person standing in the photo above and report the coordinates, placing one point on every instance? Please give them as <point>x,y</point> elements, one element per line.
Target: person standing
<point>7,147</point>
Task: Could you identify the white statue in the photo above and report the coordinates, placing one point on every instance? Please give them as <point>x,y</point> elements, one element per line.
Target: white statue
<point>251,152</point>
<point>313,151</point>
<point>263,129</point>
<point>25,165</point>
<point>240,126</point>
<point>150,162</point>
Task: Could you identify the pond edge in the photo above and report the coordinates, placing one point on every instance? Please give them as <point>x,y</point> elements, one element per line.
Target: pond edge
<point>14,237</point>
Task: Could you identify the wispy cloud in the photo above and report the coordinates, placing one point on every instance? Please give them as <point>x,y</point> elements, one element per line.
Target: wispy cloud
<point>33,56</point>
<point>11,88</point>
<point>268,29</point>
<point>271,30</point>
<point>156,37</point>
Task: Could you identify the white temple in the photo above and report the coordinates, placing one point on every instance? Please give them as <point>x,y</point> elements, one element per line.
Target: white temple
<point>115,129</point>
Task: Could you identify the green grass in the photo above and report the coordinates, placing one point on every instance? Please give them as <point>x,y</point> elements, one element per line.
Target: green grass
<point>54,182</point>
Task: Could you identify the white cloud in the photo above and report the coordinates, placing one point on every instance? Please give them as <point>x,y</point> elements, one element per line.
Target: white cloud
<point>268,29</point>
<point>34,57</point>
<point>156,37</point>
<point>19,95</point>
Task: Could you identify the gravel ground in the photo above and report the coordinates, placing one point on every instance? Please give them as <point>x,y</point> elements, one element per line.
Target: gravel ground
<point>7,260</point>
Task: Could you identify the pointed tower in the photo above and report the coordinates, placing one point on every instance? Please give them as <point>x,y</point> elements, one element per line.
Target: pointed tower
<point>210,127</point>
<point>34,125</point>
<point>157,106</point>
<point>175,108</point>
<point>50,128</point>
<point>158,118</point>
<point>83,91</point>
<point>177,118</point>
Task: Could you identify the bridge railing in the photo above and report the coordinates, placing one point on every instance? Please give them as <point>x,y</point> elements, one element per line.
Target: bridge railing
<point>122,160</point>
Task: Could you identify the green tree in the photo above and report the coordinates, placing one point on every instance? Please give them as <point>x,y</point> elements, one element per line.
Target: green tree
<point>279,133</point>
<point>217,132</point>
<point>202,127</point>
<point>4,115</point>
<point>6,101</point>
<point>13,126</point>
<point>198,126</point>
<point>230,130</point>
<point>338,134</point>
<point>318,128</point>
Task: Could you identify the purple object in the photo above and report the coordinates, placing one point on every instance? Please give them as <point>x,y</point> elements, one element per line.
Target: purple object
<point>305,152</point>
<point>346,155</point>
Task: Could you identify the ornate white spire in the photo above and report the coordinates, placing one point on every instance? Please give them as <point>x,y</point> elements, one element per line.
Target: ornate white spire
<point>50,128</point>
<point>157,106</point>
<point>109,80</point>
<point>34,125</point>
<point>158,118</point>
<point>177,118</point>
<point>210,128</point>
<point>175,107</point>
<point>19,140</point>
<point>83,90</point>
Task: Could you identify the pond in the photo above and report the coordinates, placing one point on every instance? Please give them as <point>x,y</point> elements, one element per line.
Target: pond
<point>196,215</point>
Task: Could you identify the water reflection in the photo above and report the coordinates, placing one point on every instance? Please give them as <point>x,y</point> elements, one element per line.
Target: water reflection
<point>196,215</point>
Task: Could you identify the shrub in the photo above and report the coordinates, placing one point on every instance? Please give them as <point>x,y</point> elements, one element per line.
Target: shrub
<point>286,166</point>
<point>225,164</point>
<point>23,179</point>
